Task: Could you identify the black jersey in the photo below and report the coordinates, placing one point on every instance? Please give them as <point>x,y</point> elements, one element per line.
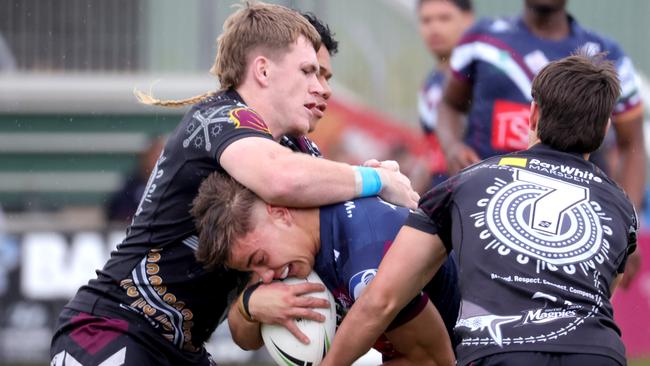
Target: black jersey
<point>540,235</point>
<point>153,273</point>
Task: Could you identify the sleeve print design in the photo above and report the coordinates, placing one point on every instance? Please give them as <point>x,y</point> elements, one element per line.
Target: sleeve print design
<point>204,125</point>
<point>247,118</point>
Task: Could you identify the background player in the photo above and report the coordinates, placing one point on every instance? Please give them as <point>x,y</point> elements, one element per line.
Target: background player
<point>493,67</point>
<point>542,237</point>
<point>343,243</point>
<point>441,25</point>
<point>153,303</point>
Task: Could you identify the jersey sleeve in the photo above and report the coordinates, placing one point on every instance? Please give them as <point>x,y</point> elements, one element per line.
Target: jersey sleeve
<point>209,129</point>
<point>630,94</point>
<point>464,56</point>
<point>632,240</point>
<point>433,215</point>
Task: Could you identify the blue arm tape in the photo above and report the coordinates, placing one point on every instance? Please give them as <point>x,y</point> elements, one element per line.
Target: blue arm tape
<point>370,181</point>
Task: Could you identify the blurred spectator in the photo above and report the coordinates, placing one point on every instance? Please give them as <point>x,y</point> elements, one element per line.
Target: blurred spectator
<point>493,67</point>
<point>124,202</point>
<point>441,23</point>
<point>7,60</point>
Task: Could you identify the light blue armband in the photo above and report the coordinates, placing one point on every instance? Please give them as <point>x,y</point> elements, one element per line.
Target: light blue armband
<point>370,181</point>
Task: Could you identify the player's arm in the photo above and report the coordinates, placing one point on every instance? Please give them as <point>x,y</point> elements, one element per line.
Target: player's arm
<point>245,333</point>
<point>282,177</point>
<point>422,341</point>
<point>454,105</point>
<point>629,140</point>
<point>274,303</point>
<point>615,282</point>
<point>410,263</point>
<point>631,171</point>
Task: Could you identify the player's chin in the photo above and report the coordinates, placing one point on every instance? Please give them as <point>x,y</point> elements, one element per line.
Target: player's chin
<point>312,124</point>
<point>300,126</point>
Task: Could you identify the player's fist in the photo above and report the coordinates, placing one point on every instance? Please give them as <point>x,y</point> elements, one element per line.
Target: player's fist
<point>387,164</point>
<point>396,187</point>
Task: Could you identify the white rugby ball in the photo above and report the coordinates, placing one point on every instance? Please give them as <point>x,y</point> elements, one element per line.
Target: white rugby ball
<point>287,349</point>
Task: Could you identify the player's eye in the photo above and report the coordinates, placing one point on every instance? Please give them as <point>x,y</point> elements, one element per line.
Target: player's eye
<point>260,260</point>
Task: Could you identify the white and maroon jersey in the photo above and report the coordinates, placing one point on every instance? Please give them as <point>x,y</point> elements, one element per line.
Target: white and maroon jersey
<point>500,58</point>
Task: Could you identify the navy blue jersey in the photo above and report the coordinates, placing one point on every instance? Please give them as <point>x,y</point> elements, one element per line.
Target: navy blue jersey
<point>540,236</point>
<point>153,275</point>
<point>355,235</point>
<point>500,57</point>
<point>429,98</point>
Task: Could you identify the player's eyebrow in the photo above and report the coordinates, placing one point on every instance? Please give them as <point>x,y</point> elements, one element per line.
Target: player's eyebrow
<point>310,67</point>
<point>325,72</point>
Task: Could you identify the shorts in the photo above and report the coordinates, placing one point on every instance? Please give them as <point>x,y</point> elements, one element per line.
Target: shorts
<point>89,340</point>
<point>544,359</point>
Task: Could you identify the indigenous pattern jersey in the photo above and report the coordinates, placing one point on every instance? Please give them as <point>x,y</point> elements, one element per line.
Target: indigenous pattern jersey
<point>540,236</point>
<point>500,59</point>
<point>153,274</point>
<point>355,235</point>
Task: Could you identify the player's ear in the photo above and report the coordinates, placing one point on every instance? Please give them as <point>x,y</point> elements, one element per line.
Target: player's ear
<point>279,215</point>
<point>261,70</point>
<point>534,117</point>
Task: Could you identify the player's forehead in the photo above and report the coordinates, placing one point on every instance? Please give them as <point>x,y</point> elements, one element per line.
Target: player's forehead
<point>438,7</point>
<point>302,53</point>
<point>242,249</point>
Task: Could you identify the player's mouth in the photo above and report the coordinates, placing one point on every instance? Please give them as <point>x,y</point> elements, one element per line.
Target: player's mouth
<point>319,110</point>
<point>314,109</point>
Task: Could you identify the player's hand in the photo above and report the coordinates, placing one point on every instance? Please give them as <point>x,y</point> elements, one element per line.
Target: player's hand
<point>387,164</point>
<point>632,268</point>
<point>460,156</point>
<point>279,303</point>
<point>396,187</point>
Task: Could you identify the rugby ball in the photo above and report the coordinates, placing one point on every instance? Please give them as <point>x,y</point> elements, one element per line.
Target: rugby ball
<point>287,349</point>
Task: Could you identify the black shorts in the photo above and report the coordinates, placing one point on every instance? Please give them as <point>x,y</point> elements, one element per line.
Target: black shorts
<point>545,359</point>
<point>93,340</point>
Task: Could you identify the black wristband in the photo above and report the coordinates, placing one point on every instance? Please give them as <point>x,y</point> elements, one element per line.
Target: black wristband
<point>246,296</point>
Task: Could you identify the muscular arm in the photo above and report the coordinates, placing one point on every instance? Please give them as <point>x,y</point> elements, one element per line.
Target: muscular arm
<point>422,341</point>
<point>455,103</point>
<point>410,263</point>
<point>282,177</point>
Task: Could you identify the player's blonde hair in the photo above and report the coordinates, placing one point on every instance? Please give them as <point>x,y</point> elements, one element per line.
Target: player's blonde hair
<point>269,28</point>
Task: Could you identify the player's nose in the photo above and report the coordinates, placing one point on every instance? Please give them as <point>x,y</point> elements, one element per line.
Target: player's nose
<point>315,86</point>
<point>265,274</point>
